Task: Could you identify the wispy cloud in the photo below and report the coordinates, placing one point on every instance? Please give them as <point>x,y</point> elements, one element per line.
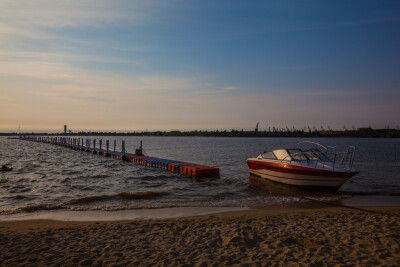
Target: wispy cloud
<point>63,57</point>
<point>230,88</point>
<point>25,21</point>
<point>85,99</point>
<point>71,13</point>
<point>48,71</point>
<point>65,78</point>
<point>10,31</point>
<point>337,93</point>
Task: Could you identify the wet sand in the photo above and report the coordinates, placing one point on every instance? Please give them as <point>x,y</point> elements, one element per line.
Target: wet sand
<point>302,234</point>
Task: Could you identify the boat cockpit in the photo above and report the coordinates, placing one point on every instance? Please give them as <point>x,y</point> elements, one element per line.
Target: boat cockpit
<point>313,154</point>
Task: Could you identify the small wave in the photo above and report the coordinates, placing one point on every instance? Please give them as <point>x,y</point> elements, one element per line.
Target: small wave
<point>371,193</point>
<point>94,176</point>
<point>90,199</point>
<point>40,207</point>
<point>65,180</point>
<point>100,176</point>
<point>10,211</point>
<point>123,195</point>
<point>140,195</point>
<point>20,190</point>
<point>150,177</point>
<point>71,172</point>
<point>87,188</point>
<point>18,197</point>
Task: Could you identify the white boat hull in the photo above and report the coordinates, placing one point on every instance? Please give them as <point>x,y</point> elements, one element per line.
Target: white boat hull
<point>300,180</point>
<point>299,176</point>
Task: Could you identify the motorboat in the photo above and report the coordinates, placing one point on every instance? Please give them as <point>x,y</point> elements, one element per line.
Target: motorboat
<point>308,164</point>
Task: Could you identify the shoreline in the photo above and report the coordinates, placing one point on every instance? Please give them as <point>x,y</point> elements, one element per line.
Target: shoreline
<point>66,215</point>
<point>296,234</point>
<point>377,133</point>
<point>118,215</point>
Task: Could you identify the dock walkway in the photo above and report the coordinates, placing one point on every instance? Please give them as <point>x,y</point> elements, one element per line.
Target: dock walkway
<point>88,145</point>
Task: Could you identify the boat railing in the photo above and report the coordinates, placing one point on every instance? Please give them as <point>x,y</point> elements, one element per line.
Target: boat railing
<point>312,143</point>
<point>332,154</point>
<point>348,157</point>
<point>327,158</point>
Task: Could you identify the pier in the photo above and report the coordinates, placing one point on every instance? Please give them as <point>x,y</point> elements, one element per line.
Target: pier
<point>94,147</point>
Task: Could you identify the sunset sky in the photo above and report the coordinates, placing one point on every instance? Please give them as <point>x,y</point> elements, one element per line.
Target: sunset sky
<point>183,65</point>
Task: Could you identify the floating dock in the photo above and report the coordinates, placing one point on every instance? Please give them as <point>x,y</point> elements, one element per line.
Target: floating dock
<point>89,145</point>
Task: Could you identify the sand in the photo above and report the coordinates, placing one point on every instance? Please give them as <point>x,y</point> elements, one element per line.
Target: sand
<point>304,234</point>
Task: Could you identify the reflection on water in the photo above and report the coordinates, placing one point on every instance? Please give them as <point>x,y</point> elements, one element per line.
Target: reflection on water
<point>49,177</point>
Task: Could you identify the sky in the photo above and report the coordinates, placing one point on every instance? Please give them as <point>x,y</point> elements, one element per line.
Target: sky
<point>182,65</point>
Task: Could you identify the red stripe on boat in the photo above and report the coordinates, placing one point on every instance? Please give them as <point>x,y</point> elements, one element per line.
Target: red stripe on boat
<point>292,169</point>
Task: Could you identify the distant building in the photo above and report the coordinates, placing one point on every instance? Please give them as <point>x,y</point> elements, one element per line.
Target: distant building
<point>65,128</point>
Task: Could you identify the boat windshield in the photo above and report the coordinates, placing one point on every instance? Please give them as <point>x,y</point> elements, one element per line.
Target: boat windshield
<point>315,154</point>
<point>281,154</point>
<point>297,154</point>
<point>322,156</point>
<point>268,155</point>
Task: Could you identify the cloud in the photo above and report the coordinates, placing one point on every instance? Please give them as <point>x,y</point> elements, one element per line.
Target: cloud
<point>40,70</point>
<point>41,20</point>
<point>85,99</point>
<point>63,57</point>
<point>9,31</point>
<point>336,93</point>
<point>72,13</point>
<point>54,74</point>
<point>230,88</point>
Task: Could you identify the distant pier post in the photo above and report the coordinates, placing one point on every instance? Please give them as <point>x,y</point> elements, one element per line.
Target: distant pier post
<point>107,147</point>
<point>94,145</point>
<point>123,148</point>
<point>115,144</point>
<point>100,144</point>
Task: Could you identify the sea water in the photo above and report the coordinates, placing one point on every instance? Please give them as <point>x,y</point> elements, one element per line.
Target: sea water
<point>49,177</point>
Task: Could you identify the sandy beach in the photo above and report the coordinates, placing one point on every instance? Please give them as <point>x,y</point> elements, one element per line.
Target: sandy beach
<point>301,234</point>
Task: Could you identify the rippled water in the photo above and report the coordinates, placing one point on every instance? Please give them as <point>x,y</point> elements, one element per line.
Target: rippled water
<point>48,177</point>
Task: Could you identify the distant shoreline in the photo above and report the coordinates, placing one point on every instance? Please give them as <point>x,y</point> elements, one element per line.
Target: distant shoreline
<point>362,132</point>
